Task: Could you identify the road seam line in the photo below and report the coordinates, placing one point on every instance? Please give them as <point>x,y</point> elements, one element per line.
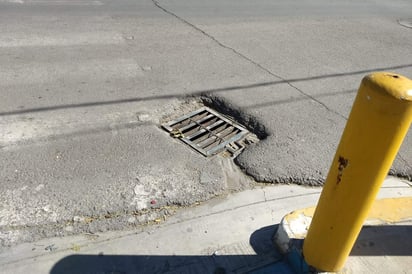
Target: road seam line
<point>156,3</point>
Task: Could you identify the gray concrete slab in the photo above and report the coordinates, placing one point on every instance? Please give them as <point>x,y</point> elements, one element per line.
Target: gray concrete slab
<point>233,233</point>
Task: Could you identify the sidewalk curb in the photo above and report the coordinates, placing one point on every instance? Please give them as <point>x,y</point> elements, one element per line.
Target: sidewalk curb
<point>294,226</point>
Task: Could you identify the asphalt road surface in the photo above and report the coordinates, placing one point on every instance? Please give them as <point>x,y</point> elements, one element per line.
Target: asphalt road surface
<point>85,86</point>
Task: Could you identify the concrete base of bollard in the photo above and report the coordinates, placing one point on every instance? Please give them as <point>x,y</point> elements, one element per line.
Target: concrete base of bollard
<point>294,226</point>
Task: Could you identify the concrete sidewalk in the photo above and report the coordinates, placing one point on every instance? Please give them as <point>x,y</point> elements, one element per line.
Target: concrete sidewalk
<point>225,235</point>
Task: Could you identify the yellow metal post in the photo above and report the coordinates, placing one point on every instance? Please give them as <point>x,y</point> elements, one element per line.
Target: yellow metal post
<point>377,125</point>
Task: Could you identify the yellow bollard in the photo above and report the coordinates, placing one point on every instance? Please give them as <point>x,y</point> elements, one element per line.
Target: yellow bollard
<point>377,125</point>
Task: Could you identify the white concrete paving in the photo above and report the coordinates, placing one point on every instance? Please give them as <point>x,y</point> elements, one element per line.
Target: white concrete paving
<point>238,228</point>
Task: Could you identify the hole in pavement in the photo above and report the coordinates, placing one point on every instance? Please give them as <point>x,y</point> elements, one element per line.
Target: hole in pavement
<point>224,107</point>
<point>210,133</point>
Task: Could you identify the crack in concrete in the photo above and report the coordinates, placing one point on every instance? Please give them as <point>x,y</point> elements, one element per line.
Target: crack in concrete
<point>264,195</point>
<point>241,55</point>
<point>89,219</point>
<point>244,206</point>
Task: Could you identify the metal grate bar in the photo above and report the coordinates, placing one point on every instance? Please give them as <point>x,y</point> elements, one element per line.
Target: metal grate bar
<point>220,137</point>
<point>207,142</point>
<point>225,132</point>
<point>219,128</point>
<point>221,146</point>
<point>208,132</point>
<point>207,129</point>
<point>192,115</point>
<point>228,135</point>
<point>193,123</point>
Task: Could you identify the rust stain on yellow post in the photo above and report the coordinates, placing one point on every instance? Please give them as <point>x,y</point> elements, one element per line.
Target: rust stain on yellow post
<point>377,125</point>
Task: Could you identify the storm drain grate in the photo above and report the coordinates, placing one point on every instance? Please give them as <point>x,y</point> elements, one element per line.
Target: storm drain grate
<point>210,133</point>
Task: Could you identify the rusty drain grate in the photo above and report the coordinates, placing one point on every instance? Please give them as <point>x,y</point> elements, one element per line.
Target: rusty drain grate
<point>210,133</point>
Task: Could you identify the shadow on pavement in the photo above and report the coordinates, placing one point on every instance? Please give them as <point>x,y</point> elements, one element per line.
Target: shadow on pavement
<point>263,262</point>
<point>203,92</point>
<point>384,240</point>
<point>381,240</point>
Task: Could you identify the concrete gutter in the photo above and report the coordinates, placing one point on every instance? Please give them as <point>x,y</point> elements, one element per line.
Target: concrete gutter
<point>224,235</point>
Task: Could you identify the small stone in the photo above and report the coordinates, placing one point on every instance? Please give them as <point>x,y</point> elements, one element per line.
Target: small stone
<point>69,228</point>
<point>39,187</point>
<point>143,117</point>
<point>165,212</point>
<point>46,208</point>
<point>131,220</point>
<point>78,219</point>
<point>147,68</point>
<point>140,205</point>
<point>142,219</point>
<point>138,189</point>
<point>50,248</point>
